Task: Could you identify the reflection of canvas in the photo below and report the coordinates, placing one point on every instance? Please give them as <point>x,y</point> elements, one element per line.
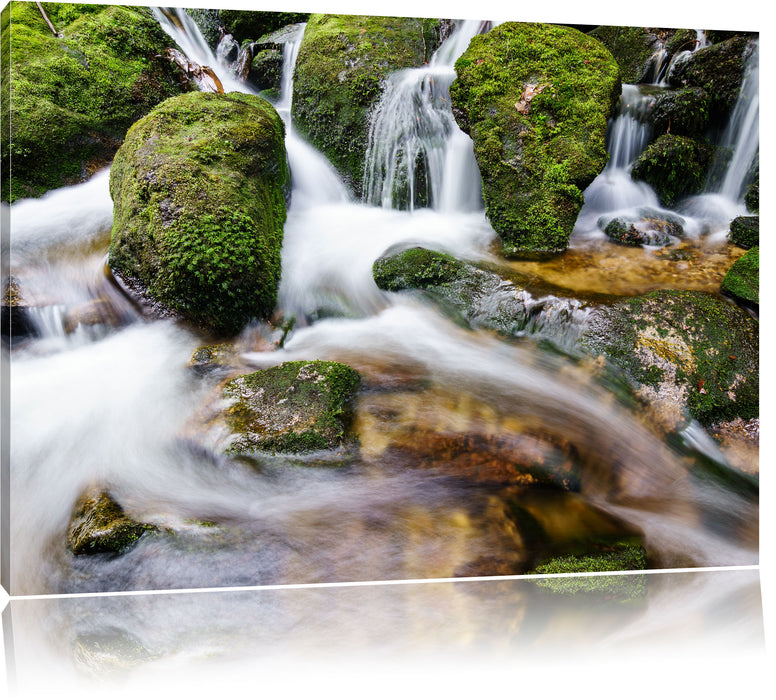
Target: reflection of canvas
<point>331,298</point>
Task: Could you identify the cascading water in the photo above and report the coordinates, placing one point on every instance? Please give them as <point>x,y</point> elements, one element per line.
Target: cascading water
<point>116,410</point>
<point>417,156</point>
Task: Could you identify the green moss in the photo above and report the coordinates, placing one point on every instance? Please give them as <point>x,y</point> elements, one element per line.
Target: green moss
<point>536,152</point>
<point>199,190</point>
<point>674,166</point>
<point>293,407</point>
<point>340,69</point>
<point>619,556</point>
<point>745,231</point>
<point>631,47</point>
<point>74,97</point>
<point>684,112</point>
<point>742,280</point>
<point>416,268</point>
<point>719,70</point>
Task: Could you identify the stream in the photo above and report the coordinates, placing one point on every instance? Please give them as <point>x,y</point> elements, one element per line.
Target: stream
<point>103,395</point>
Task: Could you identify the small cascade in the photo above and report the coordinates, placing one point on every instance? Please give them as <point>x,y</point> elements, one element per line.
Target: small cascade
<point>629,133</point>
<point>742,135</point>
<point>417,156</point>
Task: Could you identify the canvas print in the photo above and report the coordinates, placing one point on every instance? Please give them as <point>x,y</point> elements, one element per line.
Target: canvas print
<point>298,298</point>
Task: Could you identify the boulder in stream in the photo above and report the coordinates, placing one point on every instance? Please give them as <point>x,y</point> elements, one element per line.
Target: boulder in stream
<point>674,166</point>
<point>99,525</point>
<point>535,99</point>
<point>687,351</point>
<point>72,97</point>
<point>294,407</point>
<point>742,281</point>
<point>745,231</point>
<point>339,76</point>
<point>199,190</point>
<point>648,227</point>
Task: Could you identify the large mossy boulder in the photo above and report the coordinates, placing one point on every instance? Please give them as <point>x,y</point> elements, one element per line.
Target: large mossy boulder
<point>742,280</point>
<point>294,407</point>
<point>72,97</point>
<point>719,70</point>
<point>535,99</point>
<point>686,350</point>
<point>99,526</point>
<point>339,77</point>
<point>199,190</point>
<point>674,166</point>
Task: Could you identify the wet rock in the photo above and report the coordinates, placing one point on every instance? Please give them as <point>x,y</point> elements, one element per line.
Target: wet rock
<point>266,69</point>
<point>686,351</point>
<point>742,281</point>
<point>739,441</point>
<point>548,151</point>
<point>199,190</point>
<point>339,76</point>
<point>293,407</point>
<point>632,48</point>
<point>15,321</point>
<point>99,525</point>
<point>649,228</point>
<point>745,231</point>
<point>91,313</point>
<point>684,112</point>
<point>249,25</point>
<point>719,70</point>
<point>674,166</point>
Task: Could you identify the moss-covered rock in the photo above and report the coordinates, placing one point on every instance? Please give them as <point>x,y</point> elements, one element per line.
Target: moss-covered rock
<point>686,350</point>
<point>99,525</point>
<point>249,25</point>
<point>477,297</point>
<point>72,97</point>
<point>674,166</point>
<point>742,281</point>
<point>632,48</point>
<point>266,68</point>
<point>342,63</point>
<point>209,24</point>
<point>199,190</point>
<point>293,407</point>
<point>745,231</point>
<point>719,70</point>
<point>535,99</point>
<point>752,196</point>
<point>647,227</point>
<point>683,112</point>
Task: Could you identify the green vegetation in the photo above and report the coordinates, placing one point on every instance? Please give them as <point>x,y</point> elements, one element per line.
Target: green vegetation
<point>339,77</point>
<point>535,99</point>
<point>631,47</point>
<point>73,98</point>
<point>293,407</point>
<point>674,166</point>
<point>745,231</point>
<point>199,191</point>
<point>251,25</point>
<point>684,112</point>
<point>742,280</point>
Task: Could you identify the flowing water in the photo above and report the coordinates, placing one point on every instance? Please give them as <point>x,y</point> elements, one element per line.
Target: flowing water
<point>107,398</point>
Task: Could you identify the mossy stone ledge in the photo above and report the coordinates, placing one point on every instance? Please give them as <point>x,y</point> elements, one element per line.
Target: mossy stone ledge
<point>72,97</point>
<point>295,407</point>
<point>199,190</point>
<point>535,98</point>
<point>339,77</point>
<point>686,351</point>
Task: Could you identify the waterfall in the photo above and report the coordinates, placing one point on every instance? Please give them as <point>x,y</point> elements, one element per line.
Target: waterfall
<point>417,156</point>
<point>742,135</point>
